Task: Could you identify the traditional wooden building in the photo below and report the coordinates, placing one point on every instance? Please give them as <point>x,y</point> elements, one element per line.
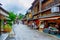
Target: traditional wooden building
<point>24,20</point>
<point>3,16</point>
<point>45,10</point>
<point>36,5</point>
<point>50,12</point>
<point>30,16</point>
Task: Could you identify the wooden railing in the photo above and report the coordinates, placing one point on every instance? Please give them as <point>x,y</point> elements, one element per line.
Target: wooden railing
<point>52,4</point>
<point>50,15</point>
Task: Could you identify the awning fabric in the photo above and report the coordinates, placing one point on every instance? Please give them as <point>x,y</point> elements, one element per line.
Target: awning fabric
<point>50,18</point>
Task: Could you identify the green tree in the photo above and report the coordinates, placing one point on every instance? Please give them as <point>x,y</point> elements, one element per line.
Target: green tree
<point>12,16</point>
<point>20,16</point>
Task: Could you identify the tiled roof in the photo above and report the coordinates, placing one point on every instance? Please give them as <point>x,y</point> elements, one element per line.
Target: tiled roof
<point>0,4</point>
<point>4,10</point>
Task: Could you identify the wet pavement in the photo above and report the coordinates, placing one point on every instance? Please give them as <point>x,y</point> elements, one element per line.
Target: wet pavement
<point>22,32</point>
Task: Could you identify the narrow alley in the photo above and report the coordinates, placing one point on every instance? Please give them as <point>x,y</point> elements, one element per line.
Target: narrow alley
<point>29,20</point>
<point>22,32</point>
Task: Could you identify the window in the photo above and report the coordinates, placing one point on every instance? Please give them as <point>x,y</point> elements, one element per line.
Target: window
<point>43,1</point>
<point>54,9</point>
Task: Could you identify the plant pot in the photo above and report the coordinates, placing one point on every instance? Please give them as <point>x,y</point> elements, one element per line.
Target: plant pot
<point>7,28</point>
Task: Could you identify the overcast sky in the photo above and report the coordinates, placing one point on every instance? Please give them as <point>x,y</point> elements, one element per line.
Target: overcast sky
<point>17,6</point>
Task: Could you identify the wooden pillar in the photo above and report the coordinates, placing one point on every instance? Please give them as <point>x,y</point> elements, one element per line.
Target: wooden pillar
<point>40,5</point>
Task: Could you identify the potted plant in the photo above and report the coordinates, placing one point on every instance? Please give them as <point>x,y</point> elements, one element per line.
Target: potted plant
<point>7,28</point>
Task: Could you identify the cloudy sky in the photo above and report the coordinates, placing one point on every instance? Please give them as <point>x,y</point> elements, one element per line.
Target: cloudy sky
<point>17,6</point>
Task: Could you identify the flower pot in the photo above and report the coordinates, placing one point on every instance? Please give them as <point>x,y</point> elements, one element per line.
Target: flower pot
<point>7,28</point>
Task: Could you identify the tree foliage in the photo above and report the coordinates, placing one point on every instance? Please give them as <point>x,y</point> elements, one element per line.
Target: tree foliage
<point>12,16</point>
<point>20,16</point>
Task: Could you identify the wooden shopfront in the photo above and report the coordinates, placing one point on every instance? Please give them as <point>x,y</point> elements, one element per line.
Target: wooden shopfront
<point>3,15</point>
<point>1,22</point>
<point>37,23</point>
<point>51,20</point>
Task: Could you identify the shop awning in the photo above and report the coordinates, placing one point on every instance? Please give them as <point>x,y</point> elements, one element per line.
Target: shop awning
<point>4,12</point>
<point>50,18</point>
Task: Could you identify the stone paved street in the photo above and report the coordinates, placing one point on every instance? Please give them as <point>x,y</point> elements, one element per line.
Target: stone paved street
<point>22,32</point>
<point>29,20</point>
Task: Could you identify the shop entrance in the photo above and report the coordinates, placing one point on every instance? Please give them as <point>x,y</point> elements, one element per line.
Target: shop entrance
<point>52,25</point>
